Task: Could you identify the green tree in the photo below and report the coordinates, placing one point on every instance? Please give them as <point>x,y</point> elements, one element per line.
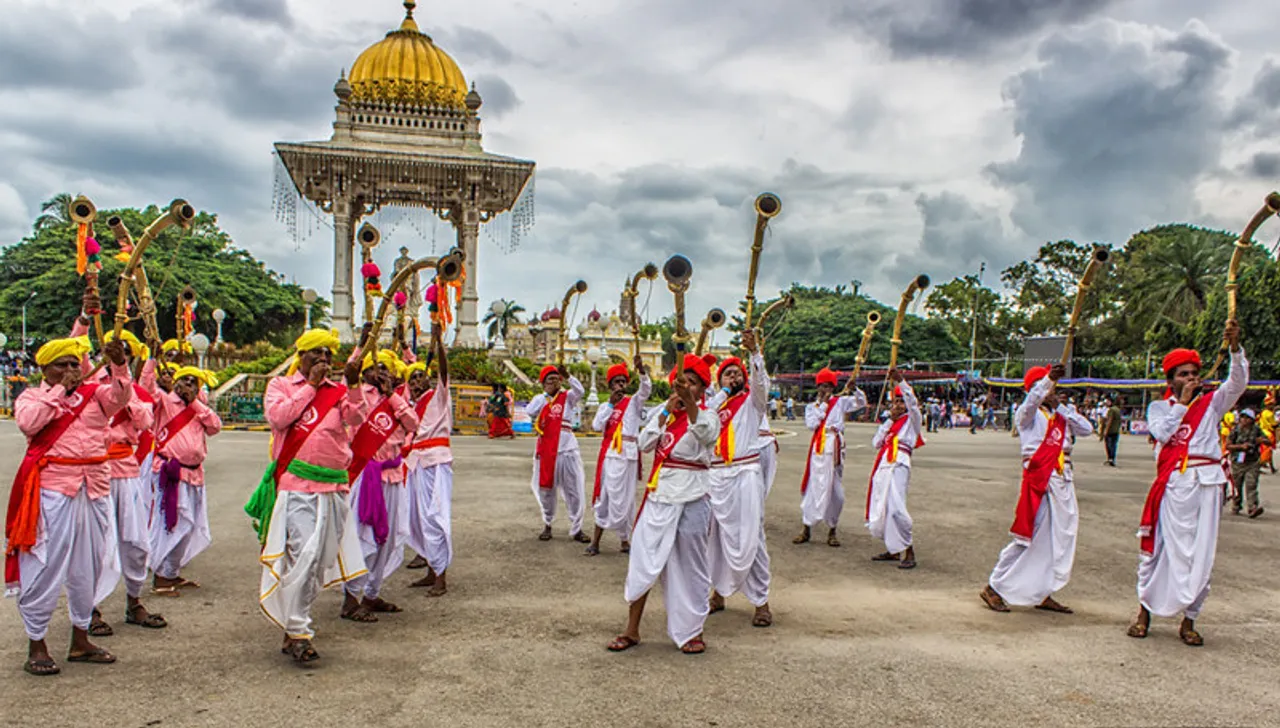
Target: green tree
<point>259,306</point>
<point>962,301</point>
<point>54,211</point>
<point>500,323</point>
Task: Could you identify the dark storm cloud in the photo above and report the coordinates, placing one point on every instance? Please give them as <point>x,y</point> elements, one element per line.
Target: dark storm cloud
<point>87,52</point>
<point>499,98</point>
<point>1265,165</point>
<point>1261,104</point>
<point>959,235</point>
<point>1118,123</point>
<point>961,28</point>
<point>270,11</point>
<point>468,45</point>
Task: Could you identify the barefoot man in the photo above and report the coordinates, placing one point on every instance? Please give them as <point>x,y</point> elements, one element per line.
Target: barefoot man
<point>378,494</point>
<point>58,526</point>
<point>737,554</point>
<point>898,436</point>
<point>670,538</point>
<point>618,467</point>
<point>430,464</point>
<point>1179,531</point>
<point>180,530</point>
<point>557,463</point>
<point>1037,562</point>
<point>822,487</point>
<point>300,508</point>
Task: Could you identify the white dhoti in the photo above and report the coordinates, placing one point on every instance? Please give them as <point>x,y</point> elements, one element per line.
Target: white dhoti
<point>670,541</point>
<point>568,481</point>
<point>615,509</point>
<point>769,463</point>
<point>1174,579</point>
<point>380,559</point>
<point>132,499</point>
<point>1027,572</point>
<point>76,548</point>
<point>736,544</point>
<point>312,544</point>
<point>823,499</point>
<point>172,550</point>
<point>431,514</point>
<point>887,516</point>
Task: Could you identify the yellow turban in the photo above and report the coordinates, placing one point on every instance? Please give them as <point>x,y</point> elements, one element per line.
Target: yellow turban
<point>168,366</point>
<point>172,345</point>
<point>417,366</point>
<point>204,377</point>
<point>139,350</point>
<point>387,358</point>
<point>58,348</point>
<point>318,339</point>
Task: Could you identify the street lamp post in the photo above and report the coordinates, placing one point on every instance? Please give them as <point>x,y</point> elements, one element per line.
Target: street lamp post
<point>219,316</point>
<point>499,309</point>
<point>24,323</point>
<point>593,397</point>
<point>200,343</point>
<point>973,340</point>
<point>309,297</point>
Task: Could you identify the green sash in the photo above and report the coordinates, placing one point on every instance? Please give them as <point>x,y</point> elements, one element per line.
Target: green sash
<point>263,501</point>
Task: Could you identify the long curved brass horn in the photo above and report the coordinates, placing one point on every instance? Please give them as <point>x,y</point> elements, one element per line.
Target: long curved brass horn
<point>678,271</point>
<point>629,294</point>
<point>767,205</point>
<point>577,289</point>
<point>448,268</point>
<point>1099,259</point>
<point>715,318</point>
<point>918,284</point>
<point>787,301</point>
<point>1270,206</point>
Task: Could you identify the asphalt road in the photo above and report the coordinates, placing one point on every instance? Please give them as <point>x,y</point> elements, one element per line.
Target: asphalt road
<point>519,640</point>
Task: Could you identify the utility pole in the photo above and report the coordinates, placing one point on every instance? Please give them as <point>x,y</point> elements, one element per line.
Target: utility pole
<point>973,339</point>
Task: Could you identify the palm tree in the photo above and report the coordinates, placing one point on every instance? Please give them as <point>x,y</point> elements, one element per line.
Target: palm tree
<point>500,323</point>
<point>1178,273</point>
<point>53,211</point>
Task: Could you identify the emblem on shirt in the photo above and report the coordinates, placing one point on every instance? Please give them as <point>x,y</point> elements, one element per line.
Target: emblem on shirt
<point>309,416</point>
<point>667,442</point>
<point>75,399</point>
<point>382,422</point>
<point>1183,435</point>
<point>725,416</point>
<point>1055,437</point>
<point>163,435</point>
<point>557,409</point>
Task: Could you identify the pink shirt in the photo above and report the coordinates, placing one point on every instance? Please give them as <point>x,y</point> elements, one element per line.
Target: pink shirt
<point>140,418</point>
<point>437,424</point>
<point>85,438</point>
<point>405,415</point>
<point>188,446</point>
<point>329,445</point>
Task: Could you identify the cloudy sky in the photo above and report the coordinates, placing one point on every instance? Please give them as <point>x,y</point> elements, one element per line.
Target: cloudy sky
<point>903,137</point>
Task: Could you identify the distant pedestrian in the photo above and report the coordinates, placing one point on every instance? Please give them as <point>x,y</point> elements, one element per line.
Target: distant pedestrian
<point>1244,448</point>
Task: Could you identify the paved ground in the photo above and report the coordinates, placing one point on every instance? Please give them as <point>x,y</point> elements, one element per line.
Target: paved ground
<point>520,638</point>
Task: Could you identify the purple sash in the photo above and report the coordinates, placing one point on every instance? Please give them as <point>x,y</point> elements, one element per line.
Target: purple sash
<point>170,479</point>
<point>371,507</point>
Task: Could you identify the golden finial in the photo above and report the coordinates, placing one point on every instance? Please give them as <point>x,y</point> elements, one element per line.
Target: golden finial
<point>409,5</point>
<point>408,23</point>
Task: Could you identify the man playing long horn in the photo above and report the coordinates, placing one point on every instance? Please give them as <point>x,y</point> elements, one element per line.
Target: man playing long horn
<point>737,553</point>
<point>130,445</point>
<point>430,465</point>
<point>180,528</point>
<point>898,436</point>
<point>1179,530</point>
<point>378,494</point>
<point>618,466</point>
<point>300,507</point>
<point>171,350</point>
<point>822,487</point>
<point>58,525</point>
<point>557,463</point>
<point>670,537</point>
<point>1037,562</point>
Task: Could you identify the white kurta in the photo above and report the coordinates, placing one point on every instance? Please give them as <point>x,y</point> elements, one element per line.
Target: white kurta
<point>1175,577</point>
<point>311,545</point>
<point>823,499</point>
<point>887,516</point>
<point>614,510</point>
<point>670,537</point>
<point>76,548</point>
<point>737,491</point>
<point>569,476</point>
<point>1028,571</point>
<point>172,550</point>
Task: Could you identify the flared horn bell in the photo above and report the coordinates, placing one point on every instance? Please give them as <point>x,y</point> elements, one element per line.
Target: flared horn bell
<point>677,270</point>
<point>82,211</point>
<point>369,236</point>
<point>768,205</point>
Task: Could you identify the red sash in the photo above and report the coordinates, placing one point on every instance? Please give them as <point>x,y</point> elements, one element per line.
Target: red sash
<point>1035,477</point>
<point>306,424</point>
<point>370,438</point>
<point>727,411</point>
<point>421,408</point>
<point>146,438</point>
<point>549,422</point>
<point>1173,456</point>
<point>610,430</point>
<point>677,426</point>
<point>21,521</point>
<point>174,426</point>
<point>816,444</point>
<point>889,446</point>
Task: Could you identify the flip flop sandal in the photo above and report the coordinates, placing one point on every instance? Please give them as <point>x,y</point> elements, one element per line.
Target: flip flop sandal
<point>359,614</point>
<point>993,601</point>
<point>581,537</point>
<point>99,628</point>
<point>428,580</point>
<point>762,619</point>
<point>621,643</point>
<point>694,646</point>
<point>41,668</point>
<point>908,564</point>
<point>186,584</point>
<point>624,548</point>
<point>382,606</point>
<point>97,656</point>
<point>1256,512</point>
<point>715,605</point>
<point>1054,606</point>
<point>592,551</point>
<point>168,592</point>
<point>302,652</point>
<point>833,542</point>
<point>544,536</point>
<point>886,556</point>
<point>151,621</point>
<point>417,563</point>
<point>437,591</point>
<point>1191,638</point>
<point>1138,630</point>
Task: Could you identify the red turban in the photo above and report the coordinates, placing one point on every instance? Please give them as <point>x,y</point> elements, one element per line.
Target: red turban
<point>547,371</point>
<point>1033,375</point>
<point>617,370</point>
<point>1178,357</point>
<point>897,391</point>
<point>826,376</point>
<point>731,361</point>
<point>697,365</point>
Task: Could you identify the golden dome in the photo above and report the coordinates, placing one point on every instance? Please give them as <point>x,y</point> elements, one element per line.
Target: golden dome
<point>406,67</point>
